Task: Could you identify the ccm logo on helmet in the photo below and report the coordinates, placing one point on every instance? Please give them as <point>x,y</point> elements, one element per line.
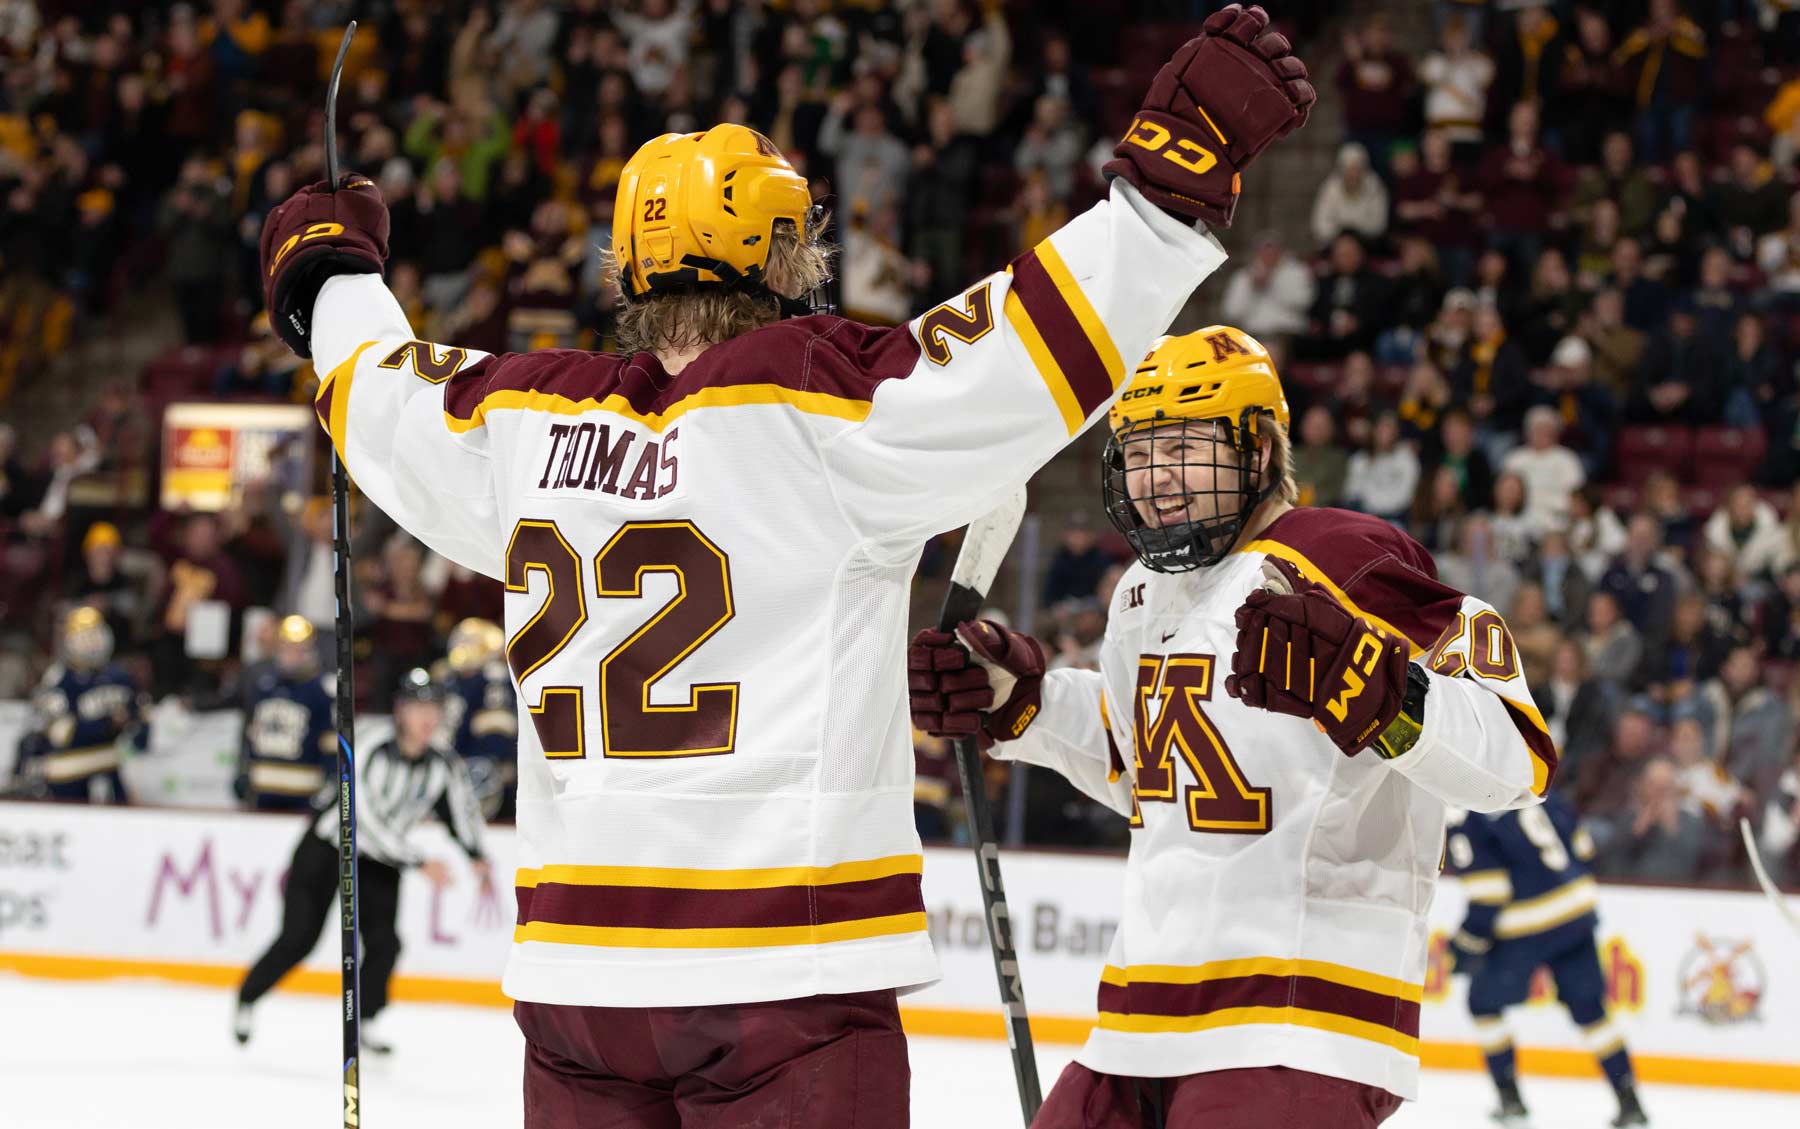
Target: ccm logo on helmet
<point>1140,393</point>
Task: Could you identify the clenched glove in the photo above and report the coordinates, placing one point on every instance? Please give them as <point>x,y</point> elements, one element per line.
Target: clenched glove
<point>1217,104</point>
<point>988,687</point>
<point>309,237</point>
<point>1300,652</point>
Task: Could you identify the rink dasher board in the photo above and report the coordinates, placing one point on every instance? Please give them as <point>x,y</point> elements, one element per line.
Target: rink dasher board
<point>1705,984</point>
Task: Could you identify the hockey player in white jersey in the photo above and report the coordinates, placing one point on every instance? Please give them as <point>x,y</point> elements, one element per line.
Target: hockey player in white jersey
<point>707,544</point>
<point>1287,701</point>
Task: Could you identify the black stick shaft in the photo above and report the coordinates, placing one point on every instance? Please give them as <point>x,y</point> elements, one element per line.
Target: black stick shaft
<point>960,604</point>
<point>345,712</point>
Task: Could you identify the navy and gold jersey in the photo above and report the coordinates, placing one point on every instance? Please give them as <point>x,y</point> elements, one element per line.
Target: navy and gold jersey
<point>288,746</point>
<point>82,717</point>
<point>481,716</point>
<point>1525,873</point>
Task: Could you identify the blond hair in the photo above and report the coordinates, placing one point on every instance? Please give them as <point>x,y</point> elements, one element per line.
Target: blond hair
<point>1281,458</point>
<point>706,315</point>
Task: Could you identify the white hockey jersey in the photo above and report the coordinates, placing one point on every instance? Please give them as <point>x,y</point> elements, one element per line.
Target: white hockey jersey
<point>707,592</point>
<point>1276,890</point>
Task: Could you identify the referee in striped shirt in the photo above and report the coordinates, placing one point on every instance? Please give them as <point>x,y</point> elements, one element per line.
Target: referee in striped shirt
<point>404,779</point>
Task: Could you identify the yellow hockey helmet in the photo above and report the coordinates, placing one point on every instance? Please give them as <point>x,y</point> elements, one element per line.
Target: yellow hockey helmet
<point>87,641</point>
<point>1198,498</point>
<point>295,629</point>
<point>474,643</point>
<point>702,208</point>
<point>296,652</point>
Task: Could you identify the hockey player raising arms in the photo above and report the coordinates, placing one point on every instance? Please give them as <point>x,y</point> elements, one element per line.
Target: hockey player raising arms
<point>707,543</point>
<point>1287,701</point>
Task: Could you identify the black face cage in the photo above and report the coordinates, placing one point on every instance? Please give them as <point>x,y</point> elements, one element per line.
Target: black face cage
<point>1238,488</point>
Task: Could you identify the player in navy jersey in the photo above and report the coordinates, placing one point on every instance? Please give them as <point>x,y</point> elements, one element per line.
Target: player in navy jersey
<point>1532,904</point>
<point>87,710</point>
<point>287,751</point>
<point>480,713</point>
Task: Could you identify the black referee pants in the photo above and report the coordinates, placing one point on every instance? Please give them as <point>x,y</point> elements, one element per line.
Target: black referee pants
<point>312,883</point>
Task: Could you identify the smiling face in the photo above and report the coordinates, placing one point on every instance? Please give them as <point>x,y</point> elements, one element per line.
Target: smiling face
<point>1183,472</point>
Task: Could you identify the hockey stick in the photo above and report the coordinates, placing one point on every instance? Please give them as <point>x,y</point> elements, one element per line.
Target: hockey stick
<point>983,548</point>
<point>345,711</point>
<point>1763,879</point>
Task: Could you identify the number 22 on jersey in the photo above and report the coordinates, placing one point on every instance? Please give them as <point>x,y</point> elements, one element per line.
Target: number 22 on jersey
<point>1220,799</point>
<point>630,726</point>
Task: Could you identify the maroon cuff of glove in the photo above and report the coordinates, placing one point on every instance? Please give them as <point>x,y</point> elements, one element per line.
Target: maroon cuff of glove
<point>1018,655</point>
<point>312,235</point>
<point>946,693</point>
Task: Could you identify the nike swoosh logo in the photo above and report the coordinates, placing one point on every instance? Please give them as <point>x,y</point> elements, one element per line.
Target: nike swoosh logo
<point>1171,635</point>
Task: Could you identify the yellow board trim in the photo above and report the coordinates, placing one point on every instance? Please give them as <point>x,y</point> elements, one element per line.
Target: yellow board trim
<point>1084,311</point>
<point>1246,1016</point>
<point>734,396</point>
<point>1262,966</point>
<point>337,426</point>
<point>1049,371</point>
<point>764,878</point>
<point>986,1023</point>
<point>619,937</point>
<point>1540,772</point>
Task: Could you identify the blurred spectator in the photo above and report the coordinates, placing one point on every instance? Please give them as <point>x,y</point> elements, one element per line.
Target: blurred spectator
<point>1579,711</point>
<point>1730,608</point>
<point>1352,198</point>
<point>935,786</point>
<point>1490,378</point>
<point>1510,522</point>
<point>1346,311</point>
<point>1078,563</point>
<point>198,572</point>
<point>1381,478</point>
<point>938,197</point>
<point>1438,512</point>
<point>1528,59</point>
<point>1662,61</point>
<point>72,455</point>
<point>1593,96</point>
<point>1685,655</point>
<point>1474,474</point>
<point>1269,296</point>
<point>871,162</point>
<point>1522,186</point>
<point>98,582</point>
<point>1566,586</point>
<point>1750,202</point>
<point>1355,402</point>
<point>195,222</point>
<point>1448,334</point>
<point>1643,588</point>
<point>398,609</point>
<point>1051,146</point>
<point>1646,298</point>
<point>1659,838</point>
<point>1717,302</point>
<point>1477,568</point>
<point>1456,78</point>
<point>1548,313</point>
<point>1583,407</point>
<point>1060,75</point>
<point>265,366</point>
<point>1679,380</point>
<point>1618,348</point>
<point>1619,178</point>
<point>1432,201</point>
<point>1753,728</point>
<point>1781,619</point>
<point>1707,789</point>
<point>1758,381</point>
<point>1596,533</point>
<point>657,36</point>
<point>1778,256</point>
<point>1423,401</point>
<point>1662,503</point>
<point>1594,251</point>
<point>1320,464</point>
<point>878,279</point>
<point>1614,647</point>
<point>974,91</point>
<point>1551,472</point>
<point>19,488</point>
<point>1534,633</point>
<point>1748,531</point>
<point>1377,84</point>
<point>1415,295</point>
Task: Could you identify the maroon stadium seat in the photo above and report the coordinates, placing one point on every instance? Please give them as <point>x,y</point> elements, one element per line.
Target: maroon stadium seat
<point>1647,447</point>
<point>1726,456</point>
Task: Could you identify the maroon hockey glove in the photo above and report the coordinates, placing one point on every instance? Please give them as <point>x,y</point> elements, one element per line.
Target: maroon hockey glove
<point>952,690</point>
<point>1215,106</point>
<point>312,235</point>
<point>1303,654</point>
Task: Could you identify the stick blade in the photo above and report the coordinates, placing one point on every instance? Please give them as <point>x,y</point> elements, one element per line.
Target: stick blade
<point>984,546</point>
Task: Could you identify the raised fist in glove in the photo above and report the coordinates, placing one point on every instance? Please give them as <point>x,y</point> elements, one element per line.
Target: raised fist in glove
<point>1301,652</point>
<point>312,235</point>
<point>1211,110</point>
<point>989,686</point>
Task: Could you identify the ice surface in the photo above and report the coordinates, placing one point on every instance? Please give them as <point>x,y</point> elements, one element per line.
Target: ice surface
<point>147,1055</point>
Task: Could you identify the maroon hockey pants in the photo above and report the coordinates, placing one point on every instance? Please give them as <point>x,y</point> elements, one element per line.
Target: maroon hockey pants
<point>1263,1097</point>
<point>830,1062</point>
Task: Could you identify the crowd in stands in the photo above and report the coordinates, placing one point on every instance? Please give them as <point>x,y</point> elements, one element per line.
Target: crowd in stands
<point>1544,313</point>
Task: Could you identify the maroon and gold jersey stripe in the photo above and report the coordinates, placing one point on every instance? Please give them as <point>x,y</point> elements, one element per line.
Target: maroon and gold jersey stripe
<point>1067,341</point>
<point>655,907</point>
<point>1317,994</point>
<point>332,401</point>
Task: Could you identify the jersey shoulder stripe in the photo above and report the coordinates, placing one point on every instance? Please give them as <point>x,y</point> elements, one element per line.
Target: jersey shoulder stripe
<point>1068,343</point>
